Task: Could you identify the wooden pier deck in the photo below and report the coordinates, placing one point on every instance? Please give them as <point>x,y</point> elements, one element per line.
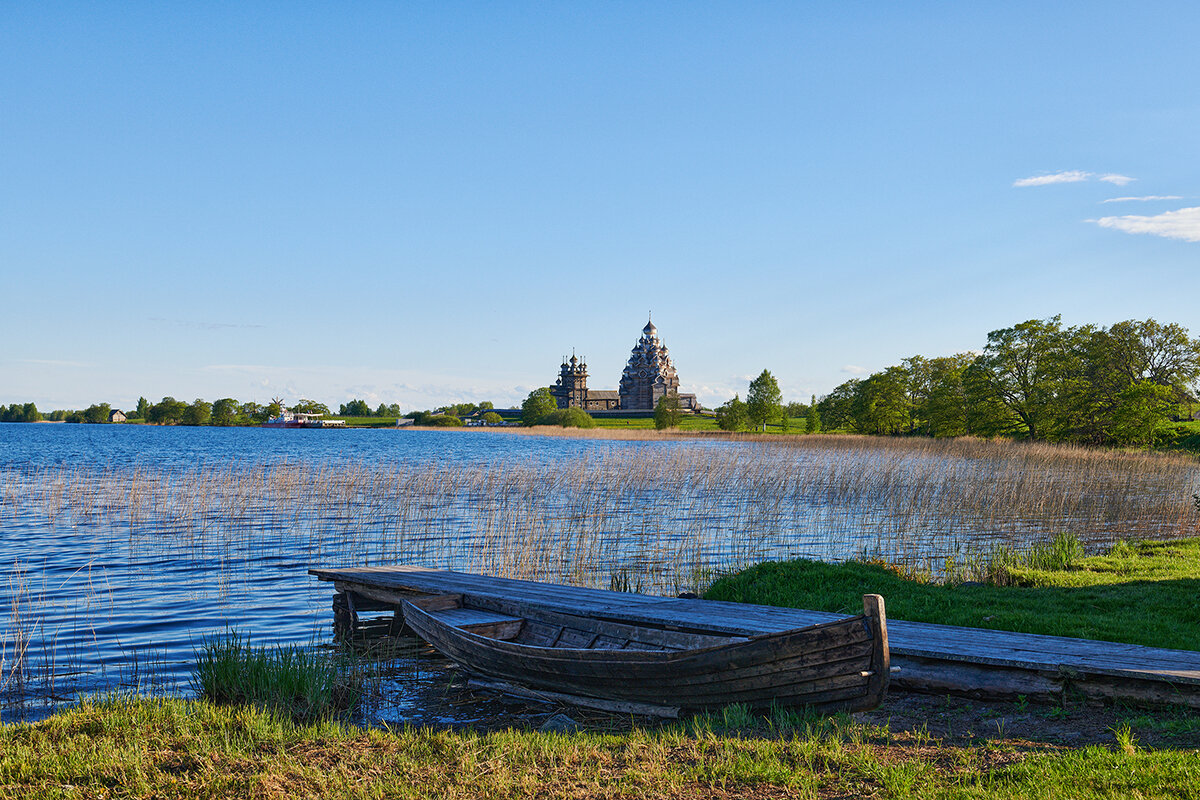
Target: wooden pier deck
<point>941,659</point>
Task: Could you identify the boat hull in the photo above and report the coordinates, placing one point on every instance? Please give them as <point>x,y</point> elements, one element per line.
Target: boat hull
<point>841,664</point>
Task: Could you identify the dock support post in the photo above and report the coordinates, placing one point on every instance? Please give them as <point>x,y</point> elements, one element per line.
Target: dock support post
<point>881,661</point>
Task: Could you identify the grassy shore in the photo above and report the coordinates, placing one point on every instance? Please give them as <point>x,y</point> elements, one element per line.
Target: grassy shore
<point>1141,593</point>
<point>913,747</point>
<point>173,748</point>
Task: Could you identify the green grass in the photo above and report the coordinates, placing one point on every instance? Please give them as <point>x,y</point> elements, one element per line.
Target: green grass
<point>1142,593</point>
<point>143,748</point>
<point>302,683</point>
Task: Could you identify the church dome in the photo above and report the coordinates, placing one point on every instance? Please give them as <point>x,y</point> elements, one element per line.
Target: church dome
<point>649,330</point>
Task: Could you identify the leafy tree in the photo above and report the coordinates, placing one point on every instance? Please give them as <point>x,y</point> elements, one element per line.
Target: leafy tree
<point>881,403</point>
<point>1027,368</point>
<point>985,414</point>
<point>167,411</point>
<point>1164,355</point>
<point>97,413</point>
<point>940,406</point>
<point>355,408</point>
<point>224,412</point>
<point>492,418</point>
<point>21,412</point>
<point>198,413</point>
<point>764,401</point>
<point>143,408</point>
<point>812,422</point>
<point>835,408</point>
<point>443,421</point>
<point>384,410</point>
<point>538,404</point>
<point>251,410</point>
<point>486,405</point>
<point>668,413</point>
<point>732,415</point>
<point>1144,405</point>
<point>310,407</point>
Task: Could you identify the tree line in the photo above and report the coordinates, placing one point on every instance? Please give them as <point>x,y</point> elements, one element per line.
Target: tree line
<point>225,412</point>
<point>1038,380</point>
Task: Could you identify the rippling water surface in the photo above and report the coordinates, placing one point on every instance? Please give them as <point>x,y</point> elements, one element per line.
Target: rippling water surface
<point>123,547</point>
<point>96,595</point>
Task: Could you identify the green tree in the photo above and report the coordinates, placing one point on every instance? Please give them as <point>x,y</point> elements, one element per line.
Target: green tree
<point>355,408</point>
<point>731,415</point>
<point>836,407</point>
<point>198,413</point>
<point>30,413</point>
<point>1027,368</point>
<point>251,410</point>
<point>881,403</point>
<point>940,408</point>
<point>538,404</point>
<point>310,407</point>
<point>143,407</point>
<point>668,413</point>
<point>812,421</point>
<point>985,414</point>
<point>492,418</point>
<point>764,401</point>
<point>224,412</point>
<point>97,413</point>
<point>1143,406</point>
<point>167,411</point>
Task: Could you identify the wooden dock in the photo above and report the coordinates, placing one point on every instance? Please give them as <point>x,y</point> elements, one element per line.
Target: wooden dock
<point>940,659</point>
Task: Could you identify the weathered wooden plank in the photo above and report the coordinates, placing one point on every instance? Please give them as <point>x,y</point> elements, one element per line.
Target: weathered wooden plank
<point>935,657</point>
<point>467,617</point>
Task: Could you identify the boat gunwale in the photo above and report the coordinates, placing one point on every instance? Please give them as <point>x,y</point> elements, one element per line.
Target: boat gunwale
<point>552,653</point>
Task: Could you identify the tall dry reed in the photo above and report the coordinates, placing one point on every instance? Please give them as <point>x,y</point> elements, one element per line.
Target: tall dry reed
<point>669,516</point>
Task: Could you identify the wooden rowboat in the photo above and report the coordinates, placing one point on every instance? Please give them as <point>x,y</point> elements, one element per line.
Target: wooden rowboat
<point>835,665</point>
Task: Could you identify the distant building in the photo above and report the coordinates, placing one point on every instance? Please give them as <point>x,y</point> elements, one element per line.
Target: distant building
<point>116,415</point>
<point>571,389</point>
<point>647,378</point>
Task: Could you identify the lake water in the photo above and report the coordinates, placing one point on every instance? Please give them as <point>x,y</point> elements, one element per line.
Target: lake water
<point>123,547</point>
<point>95,595</point>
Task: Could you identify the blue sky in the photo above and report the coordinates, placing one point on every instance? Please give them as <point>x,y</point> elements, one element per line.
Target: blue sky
<point>425,203</point>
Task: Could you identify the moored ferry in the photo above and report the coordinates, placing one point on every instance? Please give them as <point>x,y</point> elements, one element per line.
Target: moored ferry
<point>292,419</point>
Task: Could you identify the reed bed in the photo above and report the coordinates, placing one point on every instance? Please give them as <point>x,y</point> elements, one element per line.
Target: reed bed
<point>658,518</point>
<point>98,546</point>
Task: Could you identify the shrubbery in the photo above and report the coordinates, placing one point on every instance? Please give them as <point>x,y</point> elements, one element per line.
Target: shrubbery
<point>568,418</point>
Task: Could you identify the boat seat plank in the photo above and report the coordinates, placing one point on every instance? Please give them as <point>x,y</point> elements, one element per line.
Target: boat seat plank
<point>469,617</point>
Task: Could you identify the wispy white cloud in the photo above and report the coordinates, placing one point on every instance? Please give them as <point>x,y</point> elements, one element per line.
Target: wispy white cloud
<point>1072,176</point>
<point>1142,199</point>
<point>855,370</point>
<point>1067,176</point>
<point>1183,223</point>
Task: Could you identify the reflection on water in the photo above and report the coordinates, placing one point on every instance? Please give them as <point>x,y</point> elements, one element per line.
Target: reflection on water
<point>122,548</point>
